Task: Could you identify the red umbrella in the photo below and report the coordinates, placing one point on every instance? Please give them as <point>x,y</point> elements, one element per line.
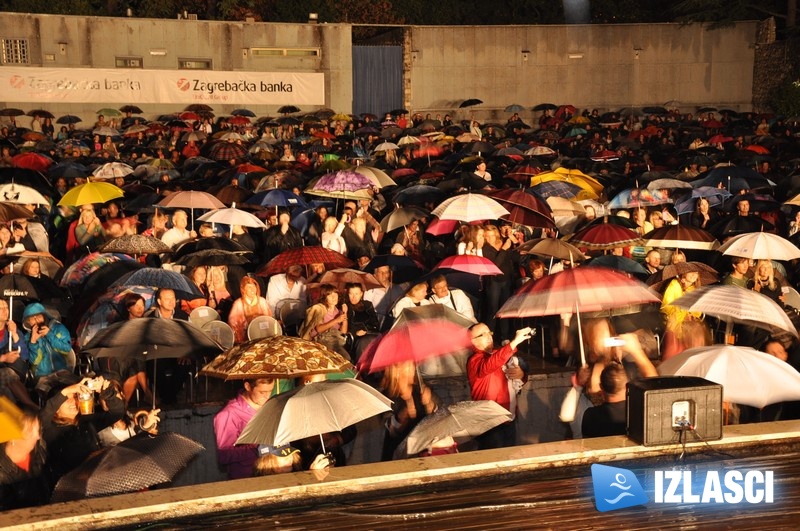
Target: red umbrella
<point>239,120</point>
<point>31,161</point>
<point>304,256</point>
<point>604,236</point>
<point>475,265</point>
<point>403,343</point>
<point>525,208</point>
<point>227,151</point>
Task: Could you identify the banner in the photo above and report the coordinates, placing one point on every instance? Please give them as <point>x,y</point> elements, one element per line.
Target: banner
<point>135,86</point>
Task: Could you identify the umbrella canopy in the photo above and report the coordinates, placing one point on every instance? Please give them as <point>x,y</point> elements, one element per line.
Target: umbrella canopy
<point>304,256</point>
<point>378,177</point>
<point>214,242</point>
<point>470,103</point>
<point>747,376</point>
<point>587,288</point>
<point>191,199</point>
<point>10,212</point>
<point>314,409</point>
<point>681,237</point>
<point>91,192</point>
<point>462,420</point>
<point>402,216</point>
<point>133,465</point>
<point>30,288</point>
<point>402,343</point>
<point>591,186</point>
<point>733,304</point>
<point>10,420</point>
<point>161,278</point>
<point>77,272</point>
<point>21,194</point>
<point>31,161</point>
<point>467,263</point>
<point>552,247</point>
<point>430,312</point>
<point>275,357</point>
<point>112,170</point>
<point>525,208</point>
<point>233,216</point>
<point>469,207</point>
<point>212,257</point>
<point>151,338</point>
<point>277,198</point>
<point>342,181</point>
<point>707,274</point>
<point>403,268</point>
<point>605,236</point>
<point>760,246</point>
<point>620,263</point>
<point>135,244</point>
<point>340,277</point>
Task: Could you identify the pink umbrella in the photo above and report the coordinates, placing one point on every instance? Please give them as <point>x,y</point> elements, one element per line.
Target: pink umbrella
<point>440,227</point>
<point>466,263</point>
<point>403,343</point>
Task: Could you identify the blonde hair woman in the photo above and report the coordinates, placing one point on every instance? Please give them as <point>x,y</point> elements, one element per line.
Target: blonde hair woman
<point>247,307</point>
<point>764,282</point>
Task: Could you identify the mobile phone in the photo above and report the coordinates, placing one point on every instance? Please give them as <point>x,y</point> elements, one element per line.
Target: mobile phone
<point>614,342</point>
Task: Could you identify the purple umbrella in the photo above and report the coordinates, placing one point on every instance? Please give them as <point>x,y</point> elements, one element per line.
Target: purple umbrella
<point>342,181</point>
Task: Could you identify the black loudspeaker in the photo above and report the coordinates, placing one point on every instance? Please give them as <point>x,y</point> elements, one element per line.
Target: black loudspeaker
<point>671,409</point>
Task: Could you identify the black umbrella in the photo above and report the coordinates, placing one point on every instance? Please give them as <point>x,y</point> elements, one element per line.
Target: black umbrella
<point>288,109</point>
<point>655,110</point>
<point>215,242</point>
<point>404,269</point>
<point>470,103</point>
<point>40,112</point>
<point>11,111</point>
<point>545,107</point>
<point>397,112</point>
<point>68,119</point>
<point>151,338</point>
<point>199,107</point>
<point>133,109</point>
<point>212,257</point>
<point>133,465</point>
<point>161,278</point>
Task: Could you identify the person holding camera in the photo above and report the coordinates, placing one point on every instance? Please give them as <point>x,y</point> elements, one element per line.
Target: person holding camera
<point>49,342</point>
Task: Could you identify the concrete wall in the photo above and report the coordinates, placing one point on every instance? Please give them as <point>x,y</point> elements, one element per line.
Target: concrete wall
<point>611,66</point>
<point>607,67</point>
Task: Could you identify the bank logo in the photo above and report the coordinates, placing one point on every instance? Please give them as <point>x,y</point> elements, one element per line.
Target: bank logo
<point>17,82</point>
<point>616,488</point>
<point>184,84</point>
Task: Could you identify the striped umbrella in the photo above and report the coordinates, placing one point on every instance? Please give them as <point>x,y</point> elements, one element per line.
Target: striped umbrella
<point>681,237</point>
<point>304,256</point>
<point>605,236</point>
<point>469,207</point>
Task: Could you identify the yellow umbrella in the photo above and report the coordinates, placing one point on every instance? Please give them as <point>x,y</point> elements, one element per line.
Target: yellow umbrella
<point>91,192</point>
<point>342,117</point>
<point>10,420</point>
<point>576,177</point>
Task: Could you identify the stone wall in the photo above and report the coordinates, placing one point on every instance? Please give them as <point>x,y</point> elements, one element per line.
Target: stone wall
<point>775,61</point>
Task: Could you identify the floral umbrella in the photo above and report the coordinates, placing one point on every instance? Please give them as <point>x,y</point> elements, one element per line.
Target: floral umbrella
<point>77,272</point>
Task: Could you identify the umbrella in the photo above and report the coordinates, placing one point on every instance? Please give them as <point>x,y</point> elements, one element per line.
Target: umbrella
<point>314,409</point>
<point>590,288</point>
<point>402,216</point>
<point>707,274</point>
<point>130,466</point>
<point>108,309</point>
<point>68,119</point>
<point>340,277</point>
<point>21,194</point>
<point>288,109</point>
<point>747,376</point>
<point>275,357</point>
<point>31,161</point>
<point>620,263</point>
<point>466,263</point>
<point>604,236</point>
<point>716,197</point>
<point>77,272</point>
<point>212,257</point>
<point>91,192</point>
<point>637,197</point>
<point>470,103</point>
<point>191,199</point>
<point>514,108</point>
<point>214,242</point>
<point>386,146</point>
<point>161,278</point>
<point>10,420</point>
<point>431,312</point>
<point>342,181</point>
<point>525,209</point>
<point>12,111</point>
<point>11,211</point>
<point>379,178</point>
<point>112,170</point>
<point>404,268</point>
<point>733,178</point>
<point>733,304</point>
<point>462,420</point>
<point>403,343</point>
<point>227,151</point>
<point>304,256</point>
<point>552,247</point>
<point>151,338</point>
<point>133,109</point>
<point>277,198</point>
<point>760,246</point>
<point>681,237</point>
<point>232,216</point>
<point>590,185</point>
<point>134,244</point>
<point>469,207</point>
<point>419,194</point>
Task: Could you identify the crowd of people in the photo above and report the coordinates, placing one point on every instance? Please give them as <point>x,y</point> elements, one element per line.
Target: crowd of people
<point>723,172</point>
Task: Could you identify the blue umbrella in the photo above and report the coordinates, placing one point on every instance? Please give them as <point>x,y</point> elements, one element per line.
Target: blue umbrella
<point>556,189</point>
<point>733,178</point>
<point>419,194</point>
<point>716,197</point>
<point>161,278</point>
<point>277,197</point>
<point>620,263</point>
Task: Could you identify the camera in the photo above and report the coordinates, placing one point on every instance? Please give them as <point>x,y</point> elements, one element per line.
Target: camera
<point>614,342</point>
<point>95,384</point>
<point>331,459</point>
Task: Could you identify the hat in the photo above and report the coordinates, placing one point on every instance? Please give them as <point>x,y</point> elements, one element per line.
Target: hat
<point>35,308</point>
<point>281,451</point>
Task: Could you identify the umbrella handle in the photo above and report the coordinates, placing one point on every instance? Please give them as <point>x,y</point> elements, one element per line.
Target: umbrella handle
<point>322,442</point>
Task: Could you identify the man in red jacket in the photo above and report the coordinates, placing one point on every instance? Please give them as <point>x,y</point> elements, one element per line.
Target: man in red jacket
<point>491,377</point>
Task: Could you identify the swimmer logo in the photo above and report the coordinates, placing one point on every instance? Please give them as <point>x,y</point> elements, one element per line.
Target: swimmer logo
<point>616,488</point>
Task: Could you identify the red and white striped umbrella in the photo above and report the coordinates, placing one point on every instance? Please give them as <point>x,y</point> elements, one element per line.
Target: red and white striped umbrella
<point>469,207</point>
<point>585,288</point>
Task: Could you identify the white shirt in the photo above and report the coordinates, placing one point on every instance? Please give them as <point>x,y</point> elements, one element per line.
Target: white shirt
<point>458,301</point>
<point>278,289</point>
<point>406,302</point>
<point>383,299</point>
<point>174,236</point>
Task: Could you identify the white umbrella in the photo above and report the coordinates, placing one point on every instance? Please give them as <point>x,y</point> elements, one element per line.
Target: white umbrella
<point>112,170</point>
<point>385,146</point>
<point>408,140</point>
<point>378,177</point>
<point>734,304</point>
<point>469,207</point>
<point>760,246</point>
<point>747,376</point>
<point>314,409</point>
<point>21,194</point>
<point>233,216</point>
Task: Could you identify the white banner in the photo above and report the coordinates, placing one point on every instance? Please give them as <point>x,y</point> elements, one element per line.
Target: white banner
<point>134,86</point>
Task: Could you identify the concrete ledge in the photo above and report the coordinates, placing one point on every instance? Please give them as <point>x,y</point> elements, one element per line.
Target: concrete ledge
<point>306,488</point>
